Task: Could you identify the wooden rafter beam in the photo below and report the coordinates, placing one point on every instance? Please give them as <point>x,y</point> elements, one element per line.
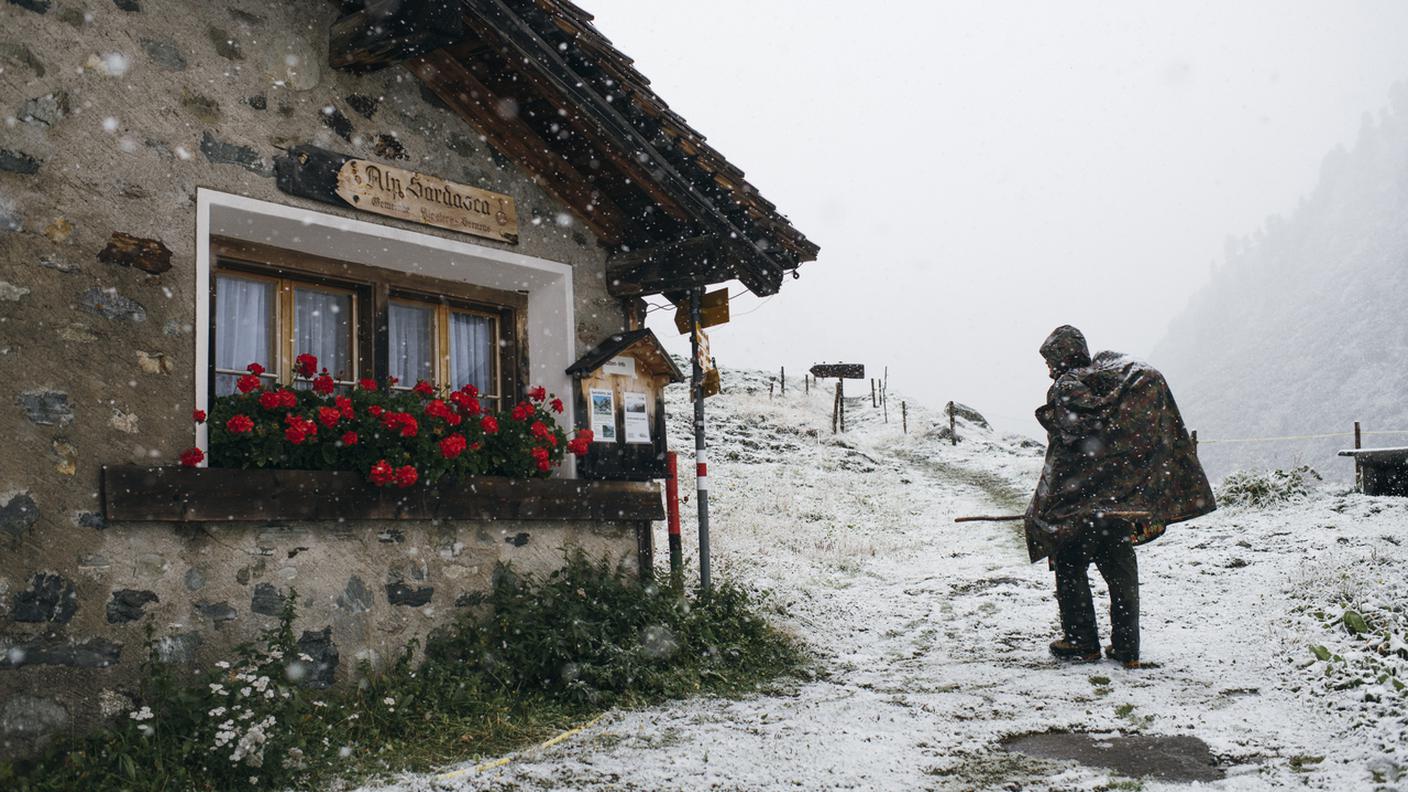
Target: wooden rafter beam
<point>473,101</point>
<point>386,32</point>
<point>699,261</point>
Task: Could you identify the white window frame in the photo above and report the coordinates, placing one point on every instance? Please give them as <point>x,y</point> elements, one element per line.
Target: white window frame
<point>550,316</point>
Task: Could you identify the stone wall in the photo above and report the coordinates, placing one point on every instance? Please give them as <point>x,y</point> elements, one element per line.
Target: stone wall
<point>113,113</point>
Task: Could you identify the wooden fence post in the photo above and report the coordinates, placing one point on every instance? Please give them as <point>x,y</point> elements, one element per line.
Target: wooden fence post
<point>873,403</point>
<point>841,400</point>
<point>783,375</point>
<point>952,426</point>
<point>771,384</point>
<point>806,384</point>
<point>1356,435</point>
<point>1194,437</point>
<point>836,407</point>
<point>904,418</point>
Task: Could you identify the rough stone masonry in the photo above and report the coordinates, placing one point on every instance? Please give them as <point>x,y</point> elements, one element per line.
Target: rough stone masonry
<point>111,114</point>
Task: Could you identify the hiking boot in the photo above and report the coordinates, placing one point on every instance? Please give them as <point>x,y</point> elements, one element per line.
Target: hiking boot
<point>1127,662</point>
<point>1066,650</point>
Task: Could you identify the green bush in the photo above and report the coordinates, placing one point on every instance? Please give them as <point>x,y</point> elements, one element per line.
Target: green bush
<point>532,657</point>
<point>1260,490</point>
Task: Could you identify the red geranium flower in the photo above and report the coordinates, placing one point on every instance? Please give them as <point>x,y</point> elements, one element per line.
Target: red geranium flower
<point>375,410</point>
<point>382,473</point>
<point>248,382</point>
<point>489,424</point>
<point>295,434</point>
<point>305,365</point>
<point>437,409</point>
<point>198,416</point>
<point>424,388</point>
<point>323,384</point>
<point>539,429</point>
<point>349,438</point>
<point>367,384</point>
<point>453,446</point>
<point>453,419</point>
<point>522,411</point>
<point>538,394</point>
<point>255,369</point>
<point>329,416</point>
<point>271,400</point>
<point>469,390</point>
<point>192,457</point>
<point>557,405</point>
<point>406,476</point>
<point>344,406</point>
<point>239,424</point>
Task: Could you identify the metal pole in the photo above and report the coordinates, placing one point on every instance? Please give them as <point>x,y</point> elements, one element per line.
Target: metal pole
<point>701,455</point>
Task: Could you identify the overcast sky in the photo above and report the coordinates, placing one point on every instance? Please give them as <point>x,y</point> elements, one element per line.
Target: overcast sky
<point>977,173</point>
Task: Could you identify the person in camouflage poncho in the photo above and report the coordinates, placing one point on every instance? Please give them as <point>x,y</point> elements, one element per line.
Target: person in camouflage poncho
<point>1119,469</point>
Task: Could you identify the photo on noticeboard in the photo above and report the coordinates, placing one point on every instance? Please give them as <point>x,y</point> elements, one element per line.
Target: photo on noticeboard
<point>637,424</point>
<point>603,415</point>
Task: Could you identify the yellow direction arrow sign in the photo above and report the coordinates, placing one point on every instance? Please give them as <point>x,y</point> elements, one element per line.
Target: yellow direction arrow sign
<point>713,310</point>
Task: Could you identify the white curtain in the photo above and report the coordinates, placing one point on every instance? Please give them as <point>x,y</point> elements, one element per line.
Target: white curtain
<point>244,313</point>
<point>412,352</point>
<point>471,351</point>
<point>322,326</point>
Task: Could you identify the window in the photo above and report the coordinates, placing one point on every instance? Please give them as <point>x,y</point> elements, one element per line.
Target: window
<point>269,306</point>
<point>444,342</point>
<point>269,321</point>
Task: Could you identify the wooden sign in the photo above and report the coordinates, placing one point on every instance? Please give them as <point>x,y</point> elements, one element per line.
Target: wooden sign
<point>839,370</point>
<point>407,195</point>
<point>711,384</point>
<point>713,310</point>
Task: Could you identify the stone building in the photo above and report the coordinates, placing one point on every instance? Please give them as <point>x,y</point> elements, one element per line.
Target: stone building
<point>185,185</point>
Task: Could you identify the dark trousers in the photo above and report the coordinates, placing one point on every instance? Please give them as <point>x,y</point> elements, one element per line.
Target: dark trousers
<point>1108,545</point>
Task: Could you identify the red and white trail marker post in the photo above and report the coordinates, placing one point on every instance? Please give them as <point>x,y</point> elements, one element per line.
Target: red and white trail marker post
<point>700,355</point>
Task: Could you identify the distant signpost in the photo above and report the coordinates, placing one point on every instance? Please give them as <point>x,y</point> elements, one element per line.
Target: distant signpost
<point>842,372</point>
<point>839,370</point>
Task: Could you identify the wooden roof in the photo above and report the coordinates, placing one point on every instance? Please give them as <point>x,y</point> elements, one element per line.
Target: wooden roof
<point>619,343</point>
<point>550,92</point>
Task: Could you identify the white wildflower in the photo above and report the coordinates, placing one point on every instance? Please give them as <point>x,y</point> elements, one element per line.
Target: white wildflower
<point>145,713</point>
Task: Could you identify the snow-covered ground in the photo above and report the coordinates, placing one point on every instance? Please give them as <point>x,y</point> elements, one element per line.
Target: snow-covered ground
<point>932,635</point>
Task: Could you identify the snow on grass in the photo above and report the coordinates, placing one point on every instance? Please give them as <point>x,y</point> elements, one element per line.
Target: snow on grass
<point>931,636</point>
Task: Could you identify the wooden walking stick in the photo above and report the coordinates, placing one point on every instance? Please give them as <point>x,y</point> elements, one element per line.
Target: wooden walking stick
<point>1118,515</point>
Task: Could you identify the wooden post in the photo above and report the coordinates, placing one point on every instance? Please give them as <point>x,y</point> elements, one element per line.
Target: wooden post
<point>841,400</point>
<point>806,384</point>
<point>884,405</point>
<point>1194,437</point>
<point>771,384</point>
<point>873,403</point>
<point>836,407</point>
<point>1356,435</point>
<point>782,376</point>
<point>904,418</point>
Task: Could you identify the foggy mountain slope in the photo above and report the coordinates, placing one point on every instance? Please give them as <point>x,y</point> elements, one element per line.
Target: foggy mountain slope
<point>1304,328</point>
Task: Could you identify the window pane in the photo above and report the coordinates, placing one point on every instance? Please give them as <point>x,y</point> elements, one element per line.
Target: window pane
<point>244,327</point>
<point>412,333</point>
<point>472,352</point>
<point>322,326</point>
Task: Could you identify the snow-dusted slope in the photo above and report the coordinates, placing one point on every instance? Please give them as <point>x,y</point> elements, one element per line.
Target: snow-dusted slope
<point>932,636</point>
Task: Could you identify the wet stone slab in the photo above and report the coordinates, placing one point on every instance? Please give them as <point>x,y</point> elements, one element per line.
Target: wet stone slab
<point>1178,758</point>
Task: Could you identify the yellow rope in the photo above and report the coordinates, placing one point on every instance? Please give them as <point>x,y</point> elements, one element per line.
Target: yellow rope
<point>501,761</point>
